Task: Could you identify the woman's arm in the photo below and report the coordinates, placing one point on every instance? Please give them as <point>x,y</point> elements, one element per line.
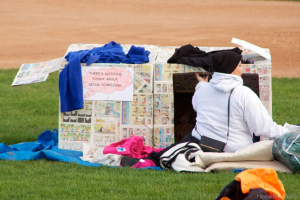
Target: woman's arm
<point>258,120</point>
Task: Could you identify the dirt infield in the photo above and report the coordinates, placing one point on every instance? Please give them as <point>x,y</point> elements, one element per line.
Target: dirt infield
<point>37,30</point>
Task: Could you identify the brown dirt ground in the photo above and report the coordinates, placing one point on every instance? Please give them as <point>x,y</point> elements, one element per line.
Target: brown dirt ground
<point>37,30</point>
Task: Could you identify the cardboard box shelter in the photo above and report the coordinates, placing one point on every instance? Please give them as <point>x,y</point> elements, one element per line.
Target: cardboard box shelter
<point>151,113</point>
<point>104,122</point>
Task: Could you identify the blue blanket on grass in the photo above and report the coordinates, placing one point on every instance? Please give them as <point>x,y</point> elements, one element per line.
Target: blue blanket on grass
<point>46,147</point>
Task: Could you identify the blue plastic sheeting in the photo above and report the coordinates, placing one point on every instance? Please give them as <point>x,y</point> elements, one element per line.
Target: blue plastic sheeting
<point>46,147</point>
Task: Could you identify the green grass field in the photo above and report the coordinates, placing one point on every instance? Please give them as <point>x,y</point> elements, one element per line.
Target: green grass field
<point>27,111</point>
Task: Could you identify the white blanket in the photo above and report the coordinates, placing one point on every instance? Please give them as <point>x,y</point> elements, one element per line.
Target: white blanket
<point>255,155</point>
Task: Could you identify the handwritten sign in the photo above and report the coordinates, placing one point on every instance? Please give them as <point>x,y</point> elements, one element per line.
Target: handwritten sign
<point>107,83</point>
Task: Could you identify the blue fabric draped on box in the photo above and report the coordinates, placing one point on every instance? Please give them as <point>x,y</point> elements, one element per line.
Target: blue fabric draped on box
<point>46,147</point>
<point>70,78</point>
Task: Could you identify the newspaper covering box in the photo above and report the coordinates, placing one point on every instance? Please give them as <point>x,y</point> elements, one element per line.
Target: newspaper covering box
<point>163,88</point>
<point>103,122</point>
<point>263,67</point>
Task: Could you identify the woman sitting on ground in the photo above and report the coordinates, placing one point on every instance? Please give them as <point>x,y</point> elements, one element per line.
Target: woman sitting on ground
<point>247,113</point>
<point>210,101</point>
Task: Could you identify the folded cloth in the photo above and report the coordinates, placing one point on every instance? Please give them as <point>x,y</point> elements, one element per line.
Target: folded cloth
<point>178,157</point>
<point>131,147</point>
<point>188,156</point>
<point>185,51</point>
<point>193,56</point>
<point>95,155</point>
<point>137,55</point>
<point>70,78</point>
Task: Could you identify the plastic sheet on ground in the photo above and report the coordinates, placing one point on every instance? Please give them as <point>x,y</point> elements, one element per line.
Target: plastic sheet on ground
<point>286,150</point>
<point>45,148</point>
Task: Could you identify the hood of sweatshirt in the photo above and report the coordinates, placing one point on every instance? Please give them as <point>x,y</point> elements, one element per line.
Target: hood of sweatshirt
<point>225,82</point>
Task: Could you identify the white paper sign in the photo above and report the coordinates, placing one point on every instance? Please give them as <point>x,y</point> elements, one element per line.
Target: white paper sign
<point>107,83</point>
<point>251,47</point>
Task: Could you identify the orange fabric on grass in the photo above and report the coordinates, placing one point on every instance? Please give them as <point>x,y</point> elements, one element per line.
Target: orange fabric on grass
<point>265,178</point>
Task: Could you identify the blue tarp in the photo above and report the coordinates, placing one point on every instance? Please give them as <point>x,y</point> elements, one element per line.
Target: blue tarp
<point>46,147</point>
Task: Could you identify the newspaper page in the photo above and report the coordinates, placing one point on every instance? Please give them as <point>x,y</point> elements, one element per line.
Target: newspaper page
<point>143,131</point>
<point>139,111</point>
<point>145,71</point>
<point>36,72</point>
<point>163,87</point>
<point>252,47</point>
<point>265,82</point>
<point>163,109</point>
<point>163,136</point>
<point>140,85</point>
<point>75,127</point>
<point>106,123</point>
<point>137,117</point>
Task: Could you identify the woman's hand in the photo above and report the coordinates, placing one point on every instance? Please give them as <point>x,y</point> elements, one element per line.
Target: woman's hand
<point>199,78</point>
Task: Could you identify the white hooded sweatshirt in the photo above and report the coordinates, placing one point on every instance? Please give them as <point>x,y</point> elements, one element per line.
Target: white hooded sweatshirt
<point>247,113</point>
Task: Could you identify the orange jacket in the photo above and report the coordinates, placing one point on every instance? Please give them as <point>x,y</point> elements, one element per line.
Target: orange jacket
<point>265,178</point>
